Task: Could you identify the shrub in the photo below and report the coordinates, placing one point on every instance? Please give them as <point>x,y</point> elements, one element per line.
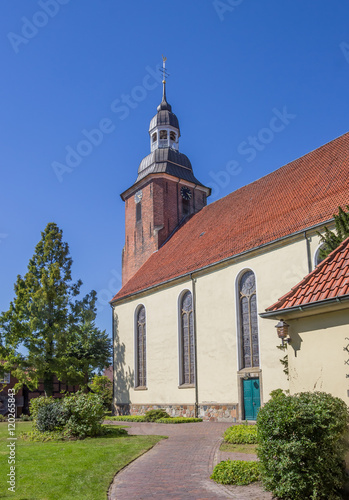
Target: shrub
<point>76,415</point>
<point>127,418</point>
<point>26,418</point>
<point>178,420</point>
<point>301,445</point>
<point>241,434</point>
<point>2,418</point>
<point>85,414</point>
<point>236,472</point>
<point>50,415</point>
<point>102,386</point>
<point>153,415</point>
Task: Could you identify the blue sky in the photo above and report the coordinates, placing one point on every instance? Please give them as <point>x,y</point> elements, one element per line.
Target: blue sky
<point>254,84</point>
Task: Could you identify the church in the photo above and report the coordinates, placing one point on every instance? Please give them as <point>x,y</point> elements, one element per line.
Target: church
<point>193,324</point>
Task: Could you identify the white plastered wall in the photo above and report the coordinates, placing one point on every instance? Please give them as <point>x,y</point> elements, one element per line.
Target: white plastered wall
<point>277,269</point>
<point>317,355</point>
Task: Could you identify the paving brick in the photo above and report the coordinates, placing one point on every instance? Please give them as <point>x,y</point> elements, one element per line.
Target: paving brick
<point>179,467</point>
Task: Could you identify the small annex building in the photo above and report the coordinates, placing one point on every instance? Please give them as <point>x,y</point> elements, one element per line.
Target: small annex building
<point>317,314</point>
<point>188,334</point>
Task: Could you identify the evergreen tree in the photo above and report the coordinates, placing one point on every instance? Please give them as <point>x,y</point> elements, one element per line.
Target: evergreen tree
<point>89,349</point>
<point>332,239</point>
<point>45,317</point>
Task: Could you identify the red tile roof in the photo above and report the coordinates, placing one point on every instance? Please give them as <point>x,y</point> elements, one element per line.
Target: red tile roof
<point>329,280</point>
<point>297,196</point>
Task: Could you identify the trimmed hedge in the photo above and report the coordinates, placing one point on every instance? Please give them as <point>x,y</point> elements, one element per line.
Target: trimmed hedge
<point>178,420</point>
<point>241,434</point>
<point>167,420</point>
<point>154,415</point>
<point>236,472</point>
<point>301,446</point>
<point>127,418</point>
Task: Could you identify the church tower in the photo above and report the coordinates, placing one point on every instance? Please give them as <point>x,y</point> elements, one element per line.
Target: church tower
<point>164,195</point>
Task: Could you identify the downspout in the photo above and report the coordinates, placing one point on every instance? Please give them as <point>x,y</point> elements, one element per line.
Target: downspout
<point>308,252</point>
<point>195,347</point>
<point>113,340</point>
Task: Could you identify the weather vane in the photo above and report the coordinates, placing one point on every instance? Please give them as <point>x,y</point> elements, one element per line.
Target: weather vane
<point>164,72</point>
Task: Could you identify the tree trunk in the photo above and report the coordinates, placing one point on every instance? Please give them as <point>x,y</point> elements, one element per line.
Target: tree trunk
<point>48,384</point>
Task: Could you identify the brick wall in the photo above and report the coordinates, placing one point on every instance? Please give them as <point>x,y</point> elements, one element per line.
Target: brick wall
<point>162,212</point>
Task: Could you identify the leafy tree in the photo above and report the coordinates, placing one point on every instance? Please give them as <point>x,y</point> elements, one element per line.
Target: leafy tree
<point>102,386</point>
<point>46,318</point>
<point>332,239</point>
<point>89,348</point>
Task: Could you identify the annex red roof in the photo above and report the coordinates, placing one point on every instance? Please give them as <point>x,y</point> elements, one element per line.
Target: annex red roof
<point>329,280</point>
<point>297,196</point>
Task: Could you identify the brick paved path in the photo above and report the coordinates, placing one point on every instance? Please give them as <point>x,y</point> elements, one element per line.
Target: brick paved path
<point>179,467</point>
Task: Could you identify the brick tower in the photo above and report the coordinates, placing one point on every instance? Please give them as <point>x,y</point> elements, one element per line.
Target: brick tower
<point>164,195</point>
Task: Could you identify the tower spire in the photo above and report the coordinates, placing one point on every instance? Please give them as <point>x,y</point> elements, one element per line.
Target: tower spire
<point>164,105</point>
<point>164,59</point>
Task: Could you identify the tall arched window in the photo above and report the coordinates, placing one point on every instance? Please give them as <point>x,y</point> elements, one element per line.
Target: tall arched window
<point>141,349</point>
<point>187,340</point>
<point>248,321</point>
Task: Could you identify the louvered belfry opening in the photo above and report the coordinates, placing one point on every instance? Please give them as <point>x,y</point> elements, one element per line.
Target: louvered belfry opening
<point>187,340</point>
<point>248,321</point>
<point>141,378</point>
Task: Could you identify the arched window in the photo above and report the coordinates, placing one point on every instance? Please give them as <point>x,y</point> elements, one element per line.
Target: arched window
<point>163,134</point>
<point>139,212</point>
<point>249,350</point>
<point>141,349</point>
<point>318,257</point>
<point>154,137</point>
<point>187,346</point>
<point>173,136</point>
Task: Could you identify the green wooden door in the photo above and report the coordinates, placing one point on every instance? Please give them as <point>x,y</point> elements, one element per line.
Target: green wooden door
<point>252,400</point>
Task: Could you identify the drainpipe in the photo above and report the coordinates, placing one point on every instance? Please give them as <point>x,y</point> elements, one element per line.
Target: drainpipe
<point>308,252</point>
<point>113,340</point>
<point>195,347</point>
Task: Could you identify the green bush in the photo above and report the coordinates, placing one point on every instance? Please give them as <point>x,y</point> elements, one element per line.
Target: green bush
<point>236,472</point>
<point>178,420</point>
<point>102,386</point>
<point>153,415</point>
<point>50,416</point>
<point>301,446</point>
<point>85,415</point>
<point>76,415</point>
<point>2,418</point>
<point>241,434</point>
<point>127,418</point>
<point>26,418</point>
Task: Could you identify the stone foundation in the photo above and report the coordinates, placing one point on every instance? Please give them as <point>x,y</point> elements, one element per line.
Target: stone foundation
<point>208,412</point>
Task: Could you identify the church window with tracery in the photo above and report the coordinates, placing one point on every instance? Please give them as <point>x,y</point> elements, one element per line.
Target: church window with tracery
<point>187,340</point>
<point>249,349</point>
<point>141,349</point>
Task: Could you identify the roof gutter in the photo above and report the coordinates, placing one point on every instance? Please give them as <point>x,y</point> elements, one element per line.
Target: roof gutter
<point>305,307</point>
<point>227,259</point>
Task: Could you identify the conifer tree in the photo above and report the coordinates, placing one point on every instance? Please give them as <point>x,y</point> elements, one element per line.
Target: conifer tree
<point>44,317</point>
<point>89,349</point>
<point>332,239</point>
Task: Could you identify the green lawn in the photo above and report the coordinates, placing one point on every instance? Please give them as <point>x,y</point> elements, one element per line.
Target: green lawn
<point>238,448</point>
<point>67,470</point>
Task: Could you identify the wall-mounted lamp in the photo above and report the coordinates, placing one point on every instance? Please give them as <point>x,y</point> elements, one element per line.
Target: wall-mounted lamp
<point>247,376</point>
<point>282,331</point>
